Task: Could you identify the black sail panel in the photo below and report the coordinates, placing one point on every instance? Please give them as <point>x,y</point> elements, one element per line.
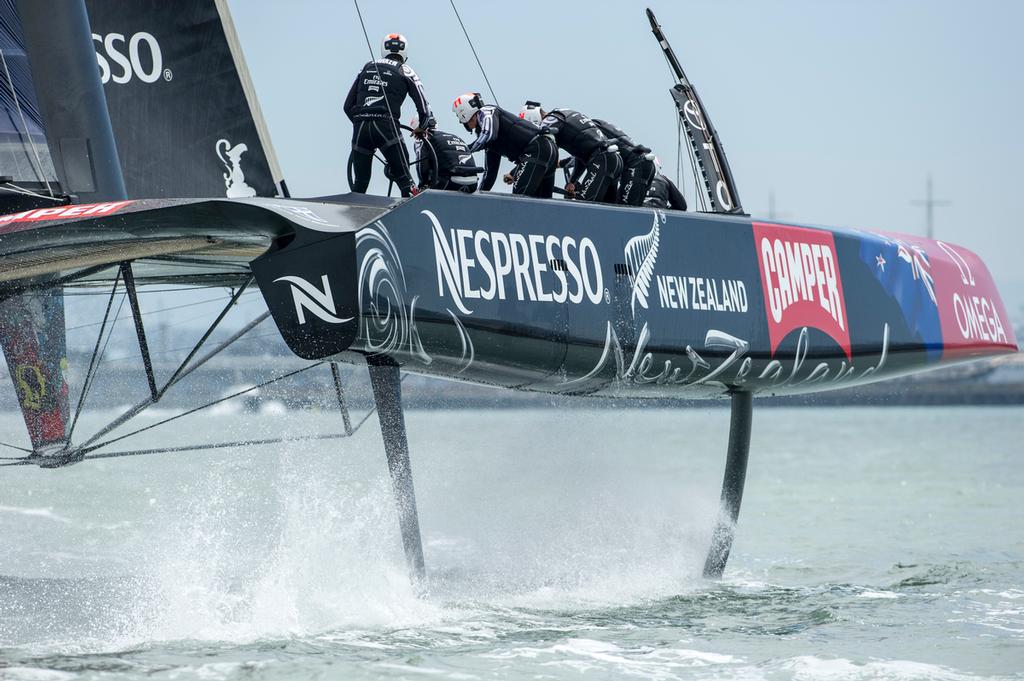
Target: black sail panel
<point>708,155</point>
<point>182,107</point>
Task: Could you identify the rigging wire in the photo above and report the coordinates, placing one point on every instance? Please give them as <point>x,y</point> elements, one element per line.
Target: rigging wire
<point>86,450</point>
<point>201,407</point>
<point>475,55</point>
<point>163,309</point>
<point>700,196</point>
<point>679,151</point>
<point>97,353</point>
<point>179,349</point>
<point>32,144</point>
<point>21,461</point>
<point>69,289</point>
<point>178,375</point>
<point>247,443</point>
<point>15,189</point>
<point>216,445</point>
<point>236,295</point>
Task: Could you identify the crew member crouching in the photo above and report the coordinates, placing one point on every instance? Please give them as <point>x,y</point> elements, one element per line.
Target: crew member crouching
<point>663,192</point>
<point>501,133</point>
<point>592,152</point>
<point>443,160</point>
<point>639,168</point>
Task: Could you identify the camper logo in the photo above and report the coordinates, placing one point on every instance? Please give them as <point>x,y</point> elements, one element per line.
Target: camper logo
<point>802,286</point>
<point>307,296</point>
<point>234,178</point>
<point>72,212</point>
<point>145,63</point>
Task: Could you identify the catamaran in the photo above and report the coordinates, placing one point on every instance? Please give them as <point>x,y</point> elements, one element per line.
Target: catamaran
<point>553,296</point>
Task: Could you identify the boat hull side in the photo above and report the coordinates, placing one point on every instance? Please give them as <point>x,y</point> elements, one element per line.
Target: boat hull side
<point>573,298</point>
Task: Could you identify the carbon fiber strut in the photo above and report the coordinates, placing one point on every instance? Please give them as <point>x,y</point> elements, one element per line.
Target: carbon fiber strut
<point>740,421</point>
<point>386,381</point>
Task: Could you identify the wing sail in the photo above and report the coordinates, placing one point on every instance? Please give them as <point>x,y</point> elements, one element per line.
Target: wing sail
<point>182,106</point>
<point>25,160</point>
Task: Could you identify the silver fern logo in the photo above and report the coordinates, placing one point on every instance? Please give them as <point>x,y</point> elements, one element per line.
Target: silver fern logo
<point>641,254</point>
<point>307,296</point>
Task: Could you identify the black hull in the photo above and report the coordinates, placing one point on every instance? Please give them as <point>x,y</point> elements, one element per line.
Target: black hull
<point>553,296</point>
<point>572,298</point>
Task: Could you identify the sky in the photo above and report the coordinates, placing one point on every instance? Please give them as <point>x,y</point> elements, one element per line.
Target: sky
<point>839,109</point>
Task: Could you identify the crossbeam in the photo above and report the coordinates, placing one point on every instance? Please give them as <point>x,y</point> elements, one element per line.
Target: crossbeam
<point>140,327</point>
<point>178,376</point>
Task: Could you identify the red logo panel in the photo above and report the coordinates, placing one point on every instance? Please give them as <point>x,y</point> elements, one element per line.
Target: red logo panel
<point>971,312</point>
<point>801,282</point>
<point>84,210</point>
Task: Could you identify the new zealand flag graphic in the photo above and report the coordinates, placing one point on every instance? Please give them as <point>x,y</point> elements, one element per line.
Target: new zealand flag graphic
<point>904,271</point>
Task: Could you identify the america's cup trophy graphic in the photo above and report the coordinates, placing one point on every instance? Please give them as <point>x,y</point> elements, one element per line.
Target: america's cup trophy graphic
<point>234,179</point>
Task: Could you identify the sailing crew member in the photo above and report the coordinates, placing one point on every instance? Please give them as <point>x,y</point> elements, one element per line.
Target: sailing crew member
<point>593,153</point>
<point>663,192</point>
<point>502,133</point>
<point>374,105</point>
<point>443,160</point>
<point>638,160</point>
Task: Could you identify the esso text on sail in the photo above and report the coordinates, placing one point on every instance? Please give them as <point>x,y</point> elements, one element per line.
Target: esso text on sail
<point>122,58</point>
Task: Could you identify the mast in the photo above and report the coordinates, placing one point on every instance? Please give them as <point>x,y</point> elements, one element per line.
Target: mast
<point>63,61</point>
<point>58,43</point>
<point>707,150</point>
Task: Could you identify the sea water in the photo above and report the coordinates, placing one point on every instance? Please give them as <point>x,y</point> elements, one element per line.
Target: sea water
<point>873,543</point>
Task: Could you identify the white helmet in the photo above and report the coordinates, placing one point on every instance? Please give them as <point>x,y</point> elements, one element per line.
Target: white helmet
<point>393,43</point>
<point>531,112</point>
<point>466,105</point>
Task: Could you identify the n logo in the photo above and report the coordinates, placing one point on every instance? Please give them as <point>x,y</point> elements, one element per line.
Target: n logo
<point>308,297</point>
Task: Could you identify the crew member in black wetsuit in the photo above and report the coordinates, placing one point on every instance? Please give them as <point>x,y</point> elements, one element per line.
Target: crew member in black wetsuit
<point>443,160</point>
<point>592,152</point>
<point>663,192</point>
<point>502,133</point>
<point>639,170</point>
<point>374,105</point>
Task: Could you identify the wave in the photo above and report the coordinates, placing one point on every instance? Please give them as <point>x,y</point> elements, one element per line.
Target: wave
<point>45,513</point>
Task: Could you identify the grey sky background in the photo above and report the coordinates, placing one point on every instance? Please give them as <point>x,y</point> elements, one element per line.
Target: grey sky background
<point>840,108</point>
